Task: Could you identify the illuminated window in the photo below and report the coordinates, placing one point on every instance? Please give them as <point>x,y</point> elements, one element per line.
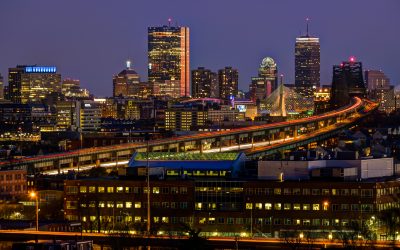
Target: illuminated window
<point>202,220</point>
<point>82,189</point>
<point>297,222</point>
<point>156,190</point>
<point>277,191</point>
<point>92,218</point>
<point>138,204</point>
<point>258,205</point>
<point>102,204</point>
<point>110,189</point>
<point>100,189</point>
<point>268,206</point>
<point>277,206</point>
<point>287,206</point>
<point>156,219</point>
<point>306,206</point>
<point>335,192</point>
<point>335,222</point>
<point>325,222</point>
<point>71,204</point>
<point>315,207</point>
<point>164,219</point>
<point>249,205</point>
<point>306,222</point>
<point>120,189</point>
<point>92,189</point>
<point>198,206</point>
<point>296,206</point>
<point>138,219</point>
<point>110,204</point>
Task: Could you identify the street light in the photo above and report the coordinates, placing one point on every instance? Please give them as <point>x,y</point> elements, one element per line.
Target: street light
<point>34,195</point>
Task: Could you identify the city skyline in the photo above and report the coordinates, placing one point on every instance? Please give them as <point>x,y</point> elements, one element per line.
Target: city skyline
<point>60,39</point>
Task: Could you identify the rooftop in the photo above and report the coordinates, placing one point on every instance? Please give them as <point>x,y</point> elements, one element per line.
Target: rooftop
<point>165,156</point>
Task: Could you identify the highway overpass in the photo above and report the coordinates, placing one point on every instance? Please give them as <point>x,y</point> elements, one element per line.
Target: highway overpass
<point>257,140</point>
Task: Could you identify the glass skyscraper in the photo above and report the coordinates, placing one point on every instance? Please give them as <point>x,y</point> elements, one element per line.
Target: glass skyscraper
<point>307,64</point>
<point>32,83</point>
<point>168,56</point>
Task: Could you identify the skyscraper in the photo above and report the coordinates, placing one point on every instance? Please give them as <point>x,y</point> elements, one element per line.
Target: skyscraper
<point>307,64</point>
<point>168,56</point>
<point>379,89</point>
<point>347,81</point>
<point>228,82</point>
<point>203,81</point>
<point>263,85</point>
<point>32,83</point>
<point>126,82</point>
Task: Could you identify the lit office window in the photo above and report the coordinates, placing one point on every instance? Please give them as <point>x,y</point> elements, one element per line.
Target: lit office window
<point>315,207</point>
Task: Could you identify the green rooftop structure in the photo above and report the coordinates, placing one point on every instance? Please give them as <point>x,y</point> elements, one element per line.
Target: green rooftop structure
<point>191,164</point>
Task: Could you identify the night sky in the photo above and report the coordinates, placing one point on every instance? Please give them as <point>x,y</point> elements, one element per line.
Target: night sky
<point>91,39</point>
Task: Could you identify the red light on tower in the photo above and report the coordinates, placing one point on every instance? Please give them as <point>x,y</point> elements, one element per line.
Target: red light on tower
<point>352,59</point>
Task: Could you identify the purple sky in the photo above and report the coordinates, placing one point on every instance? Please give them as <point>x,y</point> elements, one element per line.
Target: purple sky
<point>91,39</point>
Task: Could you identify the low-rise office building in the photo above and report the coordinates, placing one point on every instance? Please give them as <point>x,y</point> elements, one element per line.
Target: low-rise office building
<point>189,190</point>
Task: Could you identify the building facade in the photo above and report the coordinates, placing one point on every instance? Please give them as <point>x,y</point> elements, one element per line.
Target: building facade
<point>307,64</point>
<point>228,80</point>
<point>169,56</point>
<point>12,184</point>
<point>379,89</point>
<point>67,115</point>
<point>32,83</point>
<point>90,116</point>
<point>126,83</point>
<point>262,86</point>
<point>228,207</point>
<point>203,82</point>
<point>347,81</point>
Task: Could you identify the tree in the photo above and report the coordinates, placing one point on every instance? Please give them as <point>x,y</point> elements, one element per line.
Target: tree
<point>195,241</point>
<point>390,220</point>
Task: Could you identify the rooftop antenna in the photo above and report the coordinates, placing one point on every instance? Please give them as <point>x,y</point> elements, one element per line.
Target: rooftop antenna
<point>169,22</point>
<point>307,21</point>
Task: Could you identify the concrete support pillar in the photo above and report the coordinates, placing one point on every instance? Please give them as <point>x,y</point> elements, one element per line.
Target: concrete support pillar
<point>201,146</point>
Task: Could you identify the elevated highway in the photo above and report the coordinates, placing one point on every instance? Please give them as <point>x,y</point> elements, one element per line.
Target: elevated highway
<point>257,140</point>
<point>131,240</point>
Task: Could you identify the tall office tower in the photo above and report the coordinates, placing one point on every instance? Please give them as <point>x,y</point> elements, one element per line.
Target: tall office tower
<point>307,64</point>
<point>347,81</point>
<point>32,83</point>
<point>263,85</point>
<point>379,89</point>
<point>168,56</point>
<point>126,82</point>
<point>376,79</point>
<point>1,88</point>
<point>228,79</point>
<point>203,81</point>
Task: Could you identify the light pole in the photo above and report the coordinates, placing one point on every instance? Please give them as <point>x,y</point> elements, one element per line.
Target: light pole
<point>148,184</point>
<point>34,195</point>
